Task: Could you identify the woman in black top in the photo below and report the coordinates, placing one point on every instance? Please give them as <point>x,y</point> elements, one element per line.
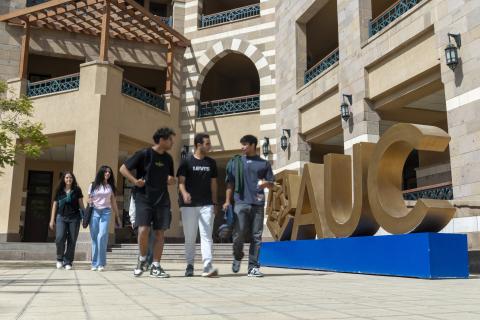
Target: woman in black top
<point>66,207</point>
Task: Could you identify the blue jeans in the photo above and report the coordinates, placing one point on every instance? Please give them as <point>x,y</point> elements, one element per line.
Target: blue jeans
<point>248,227</point>
<point>99,234</point>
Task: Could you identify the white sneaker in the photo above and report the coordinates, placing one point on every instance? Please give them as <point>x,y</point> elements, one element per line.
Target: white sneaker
<point>101,268</point>
<point>59,265</point>
<point>93,269</point>
<point>255,272</point>
<point>209,271</point>
<point>68,267</point>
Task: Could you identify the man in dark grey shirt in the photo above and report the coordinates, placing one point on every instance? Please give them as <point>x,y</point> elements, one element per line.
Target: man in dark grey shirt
<point>247,177</point>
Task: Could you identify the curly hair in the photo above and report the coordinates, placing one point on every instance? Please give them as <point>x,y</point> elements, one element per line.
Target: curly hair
<point>162,133</point>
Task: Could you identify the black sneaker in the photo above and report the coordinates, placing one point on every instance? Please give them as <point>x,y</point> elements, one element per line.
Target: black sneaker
<point>158,272</point>
<point>137,272</point>
<point>236,266</point>
<point>189,270</point>
<point>209,271</point>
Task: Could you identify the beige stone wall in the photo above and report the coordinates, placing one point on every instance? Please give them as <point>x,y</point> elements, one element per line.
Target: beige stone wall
<point>9,42</point>
<point>225,131</point>
<point>253,37</point>
<point>99,114</point>
<point>404,61</point>
<point>407,61</point>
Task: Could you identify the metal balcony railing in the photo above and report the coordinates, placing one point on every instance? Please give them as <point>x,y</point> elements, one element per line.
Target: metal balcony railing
<point>138,92</point>
<point>442,191</point>
<point>230,15</point>
<point>229,106</point>
<point>390,15</point>
<point>321,66</point>
<point>167,20</point>
<point>31,3</point>
<point>54,85</point>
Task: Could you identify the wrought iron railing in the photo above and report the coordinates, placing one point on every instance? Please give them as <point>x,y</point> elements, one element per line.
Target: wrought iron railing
<point>390,15</point>
<point>31,3</point>
<point>443,191</point>
<point>229,106</point>
<point>54,85</point>
<point>321,66</point>
<point>167,20</point>
<point>230,15</point>
<point>138,92</point>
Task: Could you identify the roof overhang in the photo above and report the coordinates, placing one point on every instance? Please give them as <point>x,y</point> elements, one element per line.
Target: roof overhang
<point>128,20</point>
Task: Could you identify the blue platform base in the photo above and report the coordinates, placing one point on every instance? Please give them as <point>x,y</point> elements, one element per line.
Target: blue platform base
<point>418,255</point>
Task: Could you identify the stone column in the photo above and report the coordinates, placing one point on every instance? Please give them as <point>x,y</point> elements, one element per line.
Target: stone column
<point>178,15</point>
<point>11,182</point>
<point>364,122</point>
<point>290,61</point>
<point>97,143</point>
<point>173,106</point>
<point>11,188</point>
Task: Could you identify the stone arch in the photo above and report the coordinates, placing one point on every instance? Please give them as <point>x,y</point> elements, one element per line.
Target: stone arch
<point>223,47</point>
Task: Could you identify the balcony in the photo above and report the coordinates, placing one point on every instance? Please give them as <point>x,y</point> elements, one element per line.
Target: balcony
<point>321,66</point>
<point>31,3</point>
<point>54,85</point>
<point>229,106</point>
<point>138,92</point>
<point>71,82</point>
<point>443,191</point>
<point>230,15</point>
<point>390,15</point>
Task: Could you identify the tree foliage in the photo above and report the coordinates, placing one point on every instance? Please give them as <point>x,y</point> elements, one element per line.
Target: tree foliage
<point>18,133</point>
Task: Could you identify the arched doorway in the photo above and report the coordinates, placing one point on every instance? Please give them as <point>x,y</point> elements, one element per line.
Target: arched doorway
<point>232,85</point>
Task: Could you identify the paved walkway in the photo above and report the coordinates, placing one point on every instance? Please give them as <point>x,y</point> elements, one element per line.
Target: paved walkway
<point>36,291</point>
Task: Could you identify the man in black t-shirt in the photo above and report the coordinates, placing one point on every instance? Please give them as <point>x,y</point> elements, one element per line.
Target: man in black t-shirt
<point>154,172</point>
<point>197,177</point>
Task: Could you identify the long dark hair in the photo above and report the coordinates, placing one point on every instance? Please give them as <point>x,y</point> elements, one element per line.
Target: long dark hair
<point>100,177</point>
<point>61,184</point>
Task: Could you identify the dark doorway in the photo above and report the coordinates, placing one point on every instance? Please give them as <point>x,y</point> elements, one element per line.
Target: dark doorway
<point>39,197</point>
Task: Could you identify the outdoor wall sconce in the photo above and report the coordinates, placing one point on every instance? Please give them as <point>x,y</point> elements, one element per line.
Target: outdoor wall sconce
<point>185,151</point>
<point>345,107</point>
<point>451,51</point>
<point>284,139</point>
<point>266,147</point>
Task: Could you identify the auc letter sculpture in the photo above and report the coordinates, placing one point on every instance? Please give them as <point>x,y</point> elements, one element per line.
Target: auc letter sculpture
<point>318,204</point>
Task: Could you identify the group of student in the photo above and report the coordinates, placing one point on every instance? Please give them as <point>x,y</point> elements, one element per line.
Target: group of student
<point>151,171</point>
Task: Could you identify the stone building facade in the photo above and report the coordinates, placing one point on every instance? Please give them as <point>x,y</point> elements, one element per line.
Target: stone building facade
<point>275,69</point>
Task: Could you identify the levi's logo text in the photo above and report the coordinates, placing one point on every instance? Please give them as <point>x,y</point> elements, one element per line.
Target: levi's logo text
<point>200,168</point>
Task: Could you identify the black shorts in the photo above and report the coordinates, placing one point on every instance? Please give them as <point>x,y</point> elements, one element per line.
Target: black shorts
<point>157,216</point>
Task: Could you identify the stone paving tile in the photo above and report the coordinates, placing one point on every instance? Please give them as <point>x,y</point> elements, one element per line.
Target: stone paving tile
<point>45,293</point>
<point>456,316</point>
<point>319,314</point>
<point>406,317</point>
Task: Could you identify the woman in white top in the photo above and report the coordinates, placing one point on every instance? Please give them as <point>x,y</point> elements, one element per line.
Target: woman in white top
<point>101,194</point>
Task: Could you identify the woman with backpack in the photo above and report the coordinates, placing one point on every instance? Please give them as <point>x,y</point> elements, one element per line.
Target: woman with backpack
<point>101,196</point>
<point>65,218</point>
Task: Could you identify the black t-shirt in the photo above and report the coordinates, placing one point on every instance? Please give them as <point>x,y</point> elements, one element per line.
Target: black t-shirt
<point>68,203</point>
<point>198,177</point>
<point>155,169</point>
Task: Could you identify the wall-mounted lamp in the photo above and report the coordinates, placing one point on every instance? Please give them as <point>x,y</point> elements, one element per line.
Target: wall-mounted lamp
<point>451,51</point>
<point>185,151</point>
<point>345,107</point>
<point>266,147</point>
<point>284,139</point>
